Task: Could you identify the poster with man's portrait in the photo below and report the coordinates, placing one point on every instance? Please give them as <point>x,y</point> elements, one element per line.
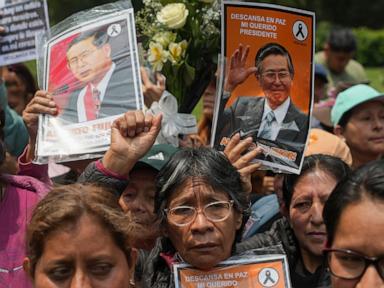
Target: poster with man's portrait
<point>267,84</point>
<point>92,72</point>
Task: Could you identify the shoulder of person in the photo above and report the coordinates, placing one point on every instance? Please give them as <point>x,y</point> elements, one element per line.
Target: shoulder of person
<point>320,57</point>
<point>155,270</point>
<point>355,67</point>
<point>266,250</point>
<point>93,174</point>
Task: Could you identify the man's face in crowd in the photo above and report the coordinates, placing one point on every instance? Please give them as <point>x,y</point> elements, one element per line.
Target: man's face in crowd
<point>87,62</point>
<point>337,61</point>
<point>275,79</point>
<point>138,199</point>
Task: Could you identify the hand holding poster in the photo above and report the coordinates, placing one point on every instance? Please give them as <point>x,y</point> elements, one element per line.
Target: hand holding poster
<point>266,93</point>
<point>251,272</point>
<point>22,20</point>
<point>92,71</point>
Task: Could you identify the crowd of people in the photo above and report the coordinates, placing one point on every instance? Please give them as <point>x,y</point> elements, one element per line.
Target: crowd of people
<point>125,219</point>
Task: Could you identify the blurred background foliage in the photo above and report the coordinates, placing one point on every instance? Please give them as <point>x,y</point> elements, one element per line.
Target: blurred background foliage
<point>366,19</point>
<point>352,13</point>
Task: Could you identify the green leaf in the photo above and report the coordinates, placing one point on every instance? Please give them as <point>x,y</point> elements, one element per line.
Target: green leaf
<point>189,74</point>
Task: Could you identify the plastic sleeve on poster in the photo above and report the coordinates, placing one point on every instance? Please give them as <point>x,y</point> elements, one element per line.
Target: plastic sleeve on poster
<point>90,66</point>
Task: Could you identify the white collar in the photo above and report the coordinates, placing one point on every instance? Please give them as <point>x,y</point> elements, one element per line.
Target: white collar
<point>280,112</point>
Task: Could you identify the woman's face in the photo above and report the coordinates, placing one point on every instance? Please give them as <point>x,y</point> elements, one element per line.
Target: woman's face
<point>364,132</point>
<point>16,91</point>
<point>361,229</point>
<point>306,209</point>
<point>82,255</point>
<point>202,243</point>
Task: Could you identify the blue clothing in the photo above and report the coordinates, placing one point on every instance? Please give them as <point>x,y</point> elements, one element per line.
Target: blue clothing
<point>262,211</point>
<point>15,132</point>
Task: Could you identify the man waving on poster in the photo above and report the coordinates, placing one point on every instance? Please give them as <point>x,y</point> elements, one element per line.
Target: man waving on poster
<point>274,117</point>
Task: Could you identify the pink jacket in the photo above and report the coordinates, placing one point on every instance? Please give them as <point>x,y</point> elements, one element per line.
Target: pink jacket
<point>22,192</point>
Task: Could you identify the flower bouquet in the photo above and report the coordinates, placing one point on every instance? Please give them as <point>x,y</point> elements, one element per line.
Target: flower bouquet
<point>182,40</point>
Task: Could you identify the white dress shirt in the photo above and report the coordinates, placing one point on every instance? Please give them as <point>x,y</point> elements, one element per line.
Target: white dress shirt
<point>279,112</point>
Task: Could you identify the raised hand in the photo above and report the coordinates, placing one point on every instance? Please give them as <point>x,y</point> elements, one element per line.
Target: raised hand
<point>152,91</point>
<point>237,71</point>
<point>132,136</point>
<point>235,152</point>
<point>41,103</point>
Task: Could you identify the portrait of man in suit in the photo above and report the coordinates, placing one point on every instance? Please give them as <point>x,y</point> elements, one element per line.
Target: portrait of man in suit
<point>105,83</point>
<point>272,118</point>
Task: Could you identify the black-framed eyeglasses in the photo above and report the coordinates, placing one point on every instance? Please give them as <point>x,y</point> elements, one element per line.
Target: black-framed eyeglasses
<point>350,265</point>
<point>185,215</point>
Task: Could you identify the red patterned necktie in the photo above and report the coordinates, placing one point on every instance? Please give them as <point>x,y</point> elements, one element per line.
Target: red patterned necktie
<point>92,103</point>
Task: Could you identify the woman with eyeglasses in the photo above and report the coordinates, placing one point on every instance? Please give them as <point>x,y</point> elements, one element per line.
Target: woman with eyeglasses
<point>354,217</point>
<point>201,200</point>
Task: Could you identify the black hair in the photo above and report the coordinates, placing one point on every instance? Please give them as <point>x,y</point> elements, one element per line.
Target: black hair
<point>22,71</point>
<point>345,118</point>
<point>100,37</point>
<point>367,181</point>
<point>273,49</point>
<point>342,40</point>
<point>331,165</point>
<point>204,163</point>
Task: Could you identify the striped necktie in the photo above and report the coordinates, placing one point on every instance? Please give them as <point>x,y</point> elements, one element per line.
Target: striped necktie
<point>266,133</point>
<point>92,103</point>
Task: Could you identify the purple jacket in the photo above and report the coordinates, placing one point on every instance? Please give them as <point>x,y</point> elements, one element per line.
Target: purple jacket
<point>22,192</point>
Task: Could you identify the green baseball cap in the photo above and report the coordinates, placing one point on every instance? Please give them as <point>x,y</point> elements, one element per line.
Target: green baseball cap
<point>352,97</point>
<point>157,157</point>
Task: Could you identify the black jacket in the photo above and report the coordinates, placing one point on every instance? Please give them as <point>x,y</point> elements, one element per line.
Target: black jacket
<point>281,233</point>
<point>156,272</point>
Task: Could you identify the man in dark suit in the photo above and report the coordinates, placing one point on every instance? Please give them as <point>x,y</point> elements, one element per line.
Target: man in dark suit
<point>106,86</point>
<point>272,119</point>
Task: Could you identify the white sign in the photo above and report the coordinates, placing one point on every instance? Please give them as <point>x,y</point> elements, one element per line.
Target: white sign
<point>22,21</point>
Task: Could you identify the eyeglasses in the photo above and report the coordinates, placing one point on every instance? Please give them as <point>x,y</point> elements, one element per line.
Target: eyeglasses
<point>349,265</point>
<point>273,75</point>
<point>83,57</point>
<point>185,215</point>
